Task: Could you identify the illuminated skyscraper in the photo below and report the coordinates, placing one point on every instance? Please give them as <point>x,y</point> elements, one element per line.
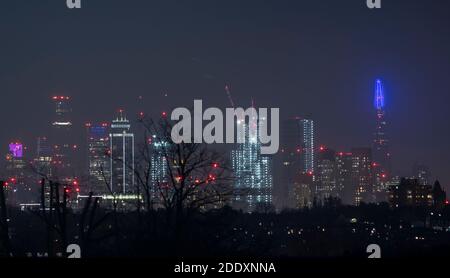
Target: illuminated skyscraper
<point>344,162</point>
<point>62,139</point>
<point>15,173</point>
<point>326,174</point>
<point>288,163</point>
<point>159,171</point>
<point>43,160</point>
<point>380,147</point>
<point>98,157</point>
<point>307,127</point>
<point>63,112</point>
<point>296,156</point>
<point>253,172</point>
<point>121,149</point>
<point>362,179</point>
<point>354,177</point>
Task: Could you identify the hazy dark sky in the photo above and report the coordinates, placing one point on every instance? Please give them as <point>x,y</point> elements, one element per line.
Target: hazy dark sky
<point>317,57</point>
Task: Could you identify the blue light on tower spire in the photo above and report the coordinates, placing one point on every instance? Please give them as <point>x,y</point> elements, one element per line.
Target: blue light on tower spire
<point>379,95</point>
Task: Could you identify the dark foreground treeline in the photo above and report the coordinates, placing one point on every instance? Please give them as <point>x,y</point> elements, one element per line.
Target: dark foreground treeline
<point>340,231</point>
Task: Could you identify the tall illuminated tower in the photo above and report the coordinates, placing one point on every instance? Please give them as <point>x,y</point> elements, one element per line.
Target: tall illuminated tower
<point>307,153</point>
<point>159,171</point>
<point>288,162</point>
<point>296,157</point>
<point>98,157</point>
<point>253,171</point>
<point>62,112</point>
<point>380,147</point>
<point>326,174</point>
<point>62,140</point>
<point>121,149</point>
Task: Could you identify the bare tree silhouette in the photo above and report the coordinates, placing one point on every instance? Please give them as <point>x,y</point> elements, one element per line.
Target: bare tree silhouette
<point>194,177</point>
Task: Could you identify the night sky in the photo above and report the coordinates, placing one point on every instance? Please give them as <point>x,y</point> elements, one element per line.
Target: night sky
<point>314,57</point>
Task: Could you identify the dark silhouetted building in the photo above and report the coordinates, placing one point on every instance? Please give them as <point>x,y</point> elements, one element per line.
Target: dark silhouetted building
<point>302,191</point>
<point>344,177</point>
<point>296,156</point>
<point>410,193</point>
<point>422,173</point>
<point>288,161</point>
<point>439,196</point>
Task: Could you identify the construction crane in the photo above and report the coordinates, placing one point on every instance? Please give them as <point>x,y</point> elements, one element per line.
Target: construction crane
<point>228,91</point>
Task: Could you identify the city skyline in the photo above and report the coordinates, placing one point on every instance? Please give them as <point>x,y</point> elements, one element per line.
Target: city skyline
<point>182,59</point>
<point>225,136</point>
<point>302,174</point>
<point>308,150</point>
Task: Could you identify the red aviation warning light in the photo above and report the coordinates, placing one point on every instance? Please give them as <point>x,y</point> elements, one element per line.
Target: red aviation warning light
<point>211,177</point>
<point>60,98</point>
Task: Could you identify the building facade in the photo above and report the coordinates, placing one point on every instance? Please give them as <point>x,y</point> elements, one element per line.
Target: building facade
<point>296,156</point>
<point>380,146</point>
<point>253,172</point>
<point>410,193</point>
<point>362,180</point>
<point>308,150</point>
<point>121,148</point>
<point>64,147</point>
<point>325,175</point>
<point>98,157</point>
